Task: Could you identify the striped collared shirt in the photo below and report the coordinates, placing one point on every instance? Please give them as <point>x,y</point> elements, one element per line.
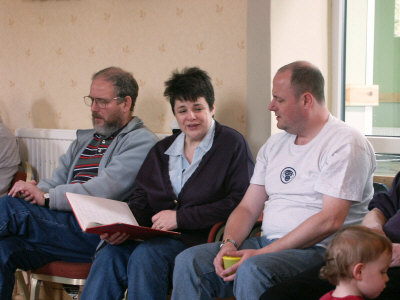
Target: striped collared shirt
<point>87,166</point>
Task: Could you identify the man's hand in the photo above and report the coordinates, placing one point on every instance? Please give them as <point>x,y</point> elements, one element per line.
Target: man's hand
<point>28,191</point>
<point>115,238</point>
<point>227,249</point>
<point>165,220</point>
<point>395,255</point>
<point>230,273</point>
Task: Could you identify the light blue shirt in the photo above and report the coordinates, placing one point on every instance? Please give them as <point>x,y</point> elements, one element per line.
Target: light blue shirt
<point>179,168</point>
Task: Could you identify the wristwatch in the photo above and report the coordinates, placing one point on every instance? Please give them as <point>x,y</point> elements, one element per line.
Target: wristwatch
<point>229,241</point>
<point>46,197</point>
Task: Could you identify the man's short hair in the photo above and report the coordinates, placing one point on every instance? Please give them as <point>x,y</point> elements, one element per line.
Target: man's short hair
<point>306,78</point>
<point>124,83</point>
<point>189,85</point>
<point>350,246</point>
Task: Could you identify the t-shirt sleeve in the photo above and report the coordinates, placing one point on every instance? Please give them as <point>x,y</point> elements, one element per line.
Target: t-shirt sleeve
<point>345,172</point>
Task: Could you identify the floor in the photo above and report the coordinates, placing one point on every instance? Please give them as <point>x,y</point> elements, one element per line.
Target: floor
<point>56,292</point>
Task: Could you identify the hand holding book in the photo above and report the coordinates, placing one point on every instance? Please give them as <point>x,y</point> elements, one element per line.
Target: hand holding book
<point>114,238</point>
<point>99,215</point>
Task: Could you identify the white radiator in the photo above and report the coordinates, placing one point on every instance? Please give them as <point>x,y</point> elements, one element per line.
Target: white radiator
<point>42,147</point>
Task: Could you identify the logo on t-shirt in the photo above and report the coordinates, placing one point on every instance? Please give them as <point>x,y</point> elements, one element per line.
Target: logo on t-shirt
<point>287,175</point>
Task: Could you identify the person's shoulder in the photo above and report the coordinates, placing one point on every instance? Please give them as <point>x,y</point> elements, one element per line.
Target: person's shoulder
<point>5,132</point>
<point>339,125</point>
<point>142,132</point>
<point>137,129</point>
<point>345,132</point>
<point>162,145</point>
<point>277,140</point>
<point>327,296</point>
<point>84,133</point>
<point>228,134</point>
<point>159,148</point>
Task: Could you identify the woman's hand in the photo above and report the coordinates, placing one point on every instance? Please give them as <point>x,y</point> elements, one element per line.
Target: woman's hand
<point>115,238</point>
<point>165,220</point>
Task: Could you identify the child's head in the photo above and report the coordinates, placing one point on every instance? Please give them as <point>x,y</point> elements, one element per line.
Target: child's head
<point>354,253</point>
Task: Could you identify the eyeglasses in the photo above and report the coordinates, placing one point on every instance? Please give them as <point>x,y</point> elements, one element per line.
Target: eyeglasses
<point>100,102</point>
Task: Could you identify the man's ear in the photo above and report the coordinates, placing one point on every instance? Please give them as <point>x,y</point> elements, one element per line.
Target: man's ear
<point>128,103</point>
<point>308,99</point>
<point>357,271</point>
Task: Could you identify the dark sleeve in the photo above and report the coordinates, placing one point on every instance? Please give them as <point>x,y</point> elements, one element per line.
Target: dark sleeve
<point>230,177</point>
<point>389,204</point>
<point>141,208</point>
<point>151,193</point>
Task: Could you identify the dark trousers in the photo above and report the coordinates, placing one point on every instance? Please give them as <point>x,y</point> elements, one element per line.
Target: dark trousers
<point>308,286</point>
<point>31,236</point>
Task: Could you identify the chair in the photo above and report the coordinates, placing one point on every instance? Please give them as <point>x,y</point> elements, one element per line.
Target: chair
<point>24,173</point>
<point>380,187</point>
<point>59,272</point>
<point>217,231</point>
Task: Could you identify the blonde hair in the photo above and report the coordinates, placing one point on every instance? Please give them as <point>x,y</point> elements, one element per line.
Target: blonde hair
<point>349,246</point>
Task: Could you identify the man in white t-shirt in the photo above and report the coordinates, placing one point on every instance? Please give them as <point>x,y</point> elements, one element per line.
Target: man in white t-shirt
<point>310,180</point>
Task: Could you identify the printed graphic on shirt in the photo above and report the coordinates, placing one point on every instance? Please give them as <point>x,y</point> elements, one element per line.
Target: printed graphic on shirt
<point>287,175</point>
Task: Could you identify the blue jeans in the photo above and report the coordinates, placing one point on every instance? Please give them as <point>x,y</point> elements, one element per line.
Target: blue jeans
<point>31,236</point>
<point>195,278</point>
<point>144,268</point>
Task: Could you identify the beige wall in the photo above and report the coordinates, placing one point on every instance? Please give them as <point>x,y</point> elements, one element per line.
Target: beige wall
<point>50,49</point>
<point>300,31</point>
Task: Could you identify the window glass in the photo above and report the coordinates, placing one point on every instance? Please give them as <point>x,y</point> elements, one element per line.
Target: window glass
<point>372,75</point>
<point>373,66</point>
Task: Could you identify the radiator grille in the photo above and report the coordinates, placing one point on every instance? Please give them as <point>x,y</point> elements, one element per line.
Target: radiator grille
<point>43,147</point>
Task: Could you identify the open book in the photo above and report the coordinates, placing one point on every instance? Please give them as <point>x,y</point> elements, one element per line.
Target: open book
<point>99,215</point>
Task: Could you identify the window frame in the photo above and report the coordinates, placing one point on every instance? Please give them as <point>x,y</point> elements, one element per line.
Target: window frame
<point>381,144</point>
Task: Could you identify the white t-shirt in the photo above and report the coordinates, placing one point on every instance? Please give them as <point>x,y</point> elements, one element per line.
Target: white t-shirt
<point>338,162</point>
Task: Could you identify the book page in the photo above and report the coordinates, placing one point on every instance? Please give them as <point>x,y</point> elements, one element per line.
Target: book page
<point>97,210</point>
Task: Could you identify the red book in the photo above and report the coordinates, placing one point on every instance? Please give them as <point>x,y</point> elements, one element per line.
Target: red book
<point>100,215</point>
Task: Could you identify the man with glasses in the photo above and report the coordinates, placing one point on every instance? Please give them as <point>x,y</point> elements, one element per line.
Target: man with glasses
<point>37,225</point>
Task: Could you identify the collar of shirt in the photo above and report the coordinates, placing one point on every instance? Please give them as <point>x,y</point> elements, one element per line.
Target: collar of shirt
<point>179,168</point>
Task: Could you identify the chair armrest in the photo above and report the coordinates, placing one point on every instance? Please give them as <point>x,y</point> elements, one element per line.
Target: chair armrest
<point>27,168</point>
<point>216,232</point>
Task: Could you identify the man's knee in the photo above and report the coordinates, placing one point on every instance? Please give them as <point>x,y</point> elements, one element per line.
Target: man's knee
<point>5,201</point>
<point>144,254</point>
<point>251,273</point>
<point>246,272</point>
<point>185,258</point>
<point>10,204</point>
<point>109,255</point>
